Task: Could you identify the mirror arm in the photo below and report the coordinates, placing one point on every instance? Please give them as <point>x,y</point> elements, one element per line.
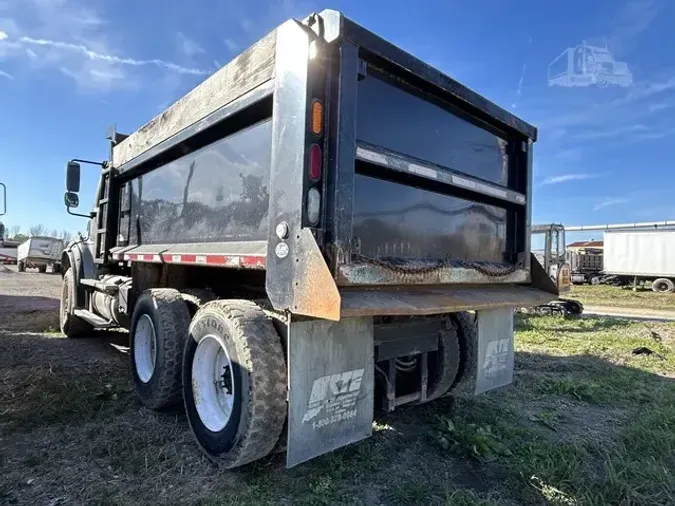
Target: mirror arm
<point>4,199</point>
<point>90,215</point>
<point>100,164</point>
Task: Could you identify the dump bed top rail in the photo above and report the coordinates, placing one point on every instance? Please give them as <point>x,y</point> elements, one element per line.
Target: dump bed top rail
<point>339,26</point>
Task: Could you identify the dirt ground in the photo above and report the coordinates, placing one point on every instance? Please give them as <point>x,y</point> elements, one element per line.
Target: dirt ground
<point>28,300</point>
<point>586,422</point>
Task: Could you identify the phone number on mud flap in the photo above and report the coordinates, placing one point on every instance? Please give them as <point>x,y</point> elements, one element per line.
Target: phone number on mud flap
<point>338,417</point>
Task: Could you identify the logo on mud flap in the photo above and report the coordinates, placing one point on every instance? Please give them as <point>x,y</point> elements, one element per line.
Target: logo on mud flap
<point>496,356</point>
<point>334,397</point>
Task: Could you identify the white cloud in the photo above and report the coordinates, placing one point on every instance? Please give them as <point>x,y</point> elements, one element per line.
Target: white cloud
<point>6,75</point>
<point>70,37</point>
<point>519,89</point>
<point>231,45</point>
<point>610,202</point>
<point>632,19</point>
<point>659,106</point>
<point>110,58</point>
<point>3,35</point>
<point>188,46</point>
<point>246,24</point>
<point>564,178</point>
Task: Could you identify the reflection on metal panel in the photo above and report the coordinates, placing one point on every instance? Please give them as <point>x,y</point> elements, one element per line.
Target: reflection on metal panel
<point>394,220</point>
<point>400,121</point>
<point>219,192</point>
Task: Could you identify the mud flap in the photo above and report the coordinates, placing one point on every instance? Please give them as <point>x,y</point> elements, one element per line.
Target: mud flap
<point>331,386</point>
<point>495,349</point>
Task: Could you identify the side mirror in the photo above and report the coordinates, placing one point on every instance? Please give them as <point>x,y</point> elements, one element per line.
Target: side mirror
<point>3,208</point>
<point>71,199</point>
<point>73,177</point>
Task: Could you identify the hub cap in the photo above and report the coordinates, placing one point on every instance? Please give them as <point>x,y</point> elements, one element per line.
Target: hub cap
<point>145,348</point>
<point>213,383</point>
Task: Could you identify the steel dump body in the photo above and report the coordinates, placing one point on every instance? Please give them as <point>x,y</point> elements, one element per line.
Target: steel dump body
<point>345,203</point>
<point>424,183</point>
<point>40,249</point>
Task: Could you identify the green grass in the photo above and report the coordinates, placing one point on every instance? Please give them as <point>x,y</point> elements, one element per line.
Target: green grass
<point>622,297</point>
<point>586,422</point>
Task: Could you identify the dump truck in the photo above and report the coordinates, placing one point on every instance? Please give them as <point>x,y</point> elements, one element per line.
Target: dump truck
<point>40,252</point>
<point>323,227</point>
<point>587,266</point>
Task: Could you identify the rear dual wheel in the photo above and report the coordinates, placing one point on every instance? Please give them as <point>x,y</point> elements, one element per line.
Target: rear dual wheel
<point>234,382</point>
<point>232,367</point>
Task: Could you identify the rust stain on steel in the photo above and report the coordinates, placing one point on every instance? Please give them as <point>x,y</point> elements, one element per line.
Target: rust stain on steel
<point>315,293</point>
<point>437,299</point>
<point>365,274</point>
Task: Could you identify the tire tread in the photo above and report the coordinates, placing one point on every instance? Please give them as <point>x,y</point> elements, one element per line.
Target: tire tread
<point>260,353</point>
<point>174,318</point>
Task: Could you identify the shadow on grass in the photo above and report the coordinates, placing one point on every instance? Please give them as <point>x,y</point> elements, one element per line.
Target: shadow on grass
<point>75,428</point>
<point>27,303</point>
<point>584,323</point>
<point>28,313</point>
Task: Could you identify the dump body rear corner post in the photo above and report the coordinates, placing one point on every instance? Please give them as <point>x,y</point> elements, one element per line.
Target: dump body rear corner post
<point>289,130</point>
<point>342,145</point>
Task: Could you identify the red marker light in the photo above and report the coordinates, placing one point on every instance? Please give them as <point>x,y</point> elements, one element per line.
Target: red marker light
<point>315,162</point>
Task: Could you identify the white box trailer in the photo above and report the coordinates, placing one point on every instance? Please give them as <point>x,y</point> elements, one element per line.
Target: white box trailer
<point>642,256</point>
<point>39,253</point>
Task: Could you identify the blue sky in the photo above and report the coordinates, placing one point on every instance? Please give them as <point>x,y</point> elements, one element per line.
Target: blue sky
<point>69,68</point>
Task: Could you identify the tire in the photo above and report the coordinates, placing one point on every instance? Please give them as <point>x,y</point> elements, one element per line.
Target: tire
<point>254,382</point>
<point>594,280</point>
<point>467,332</point>
<point>159,328</point>
<point>21,266</point>
<point>449,358</point>
<point>663,285</point>
<point>71,325</point>
<point>195,298</point>
<point>42,269</point>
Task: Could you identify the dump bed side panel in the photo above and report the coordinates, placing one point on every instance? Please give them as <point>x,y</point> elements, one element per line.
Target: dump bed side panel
<point>217,193</point>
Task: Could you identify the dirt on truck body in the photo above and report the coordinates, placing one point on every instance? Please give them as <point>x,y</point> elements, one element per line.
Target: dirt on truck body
<point>296,241</point>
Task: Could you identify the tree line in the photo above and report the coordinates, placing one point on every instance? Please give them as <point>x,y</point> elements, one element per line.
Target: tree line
<point>14,233</point>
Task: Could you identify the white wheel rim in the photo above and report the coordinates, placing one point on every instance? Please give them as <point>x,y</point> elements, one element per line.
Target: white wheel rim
<point>145,348</point>
<point>213,383</point>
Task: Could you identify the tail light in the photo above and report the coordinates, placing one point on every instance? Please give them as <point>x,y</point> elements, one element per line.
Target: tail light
<point>315,166</point>
<point>315,162</point>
